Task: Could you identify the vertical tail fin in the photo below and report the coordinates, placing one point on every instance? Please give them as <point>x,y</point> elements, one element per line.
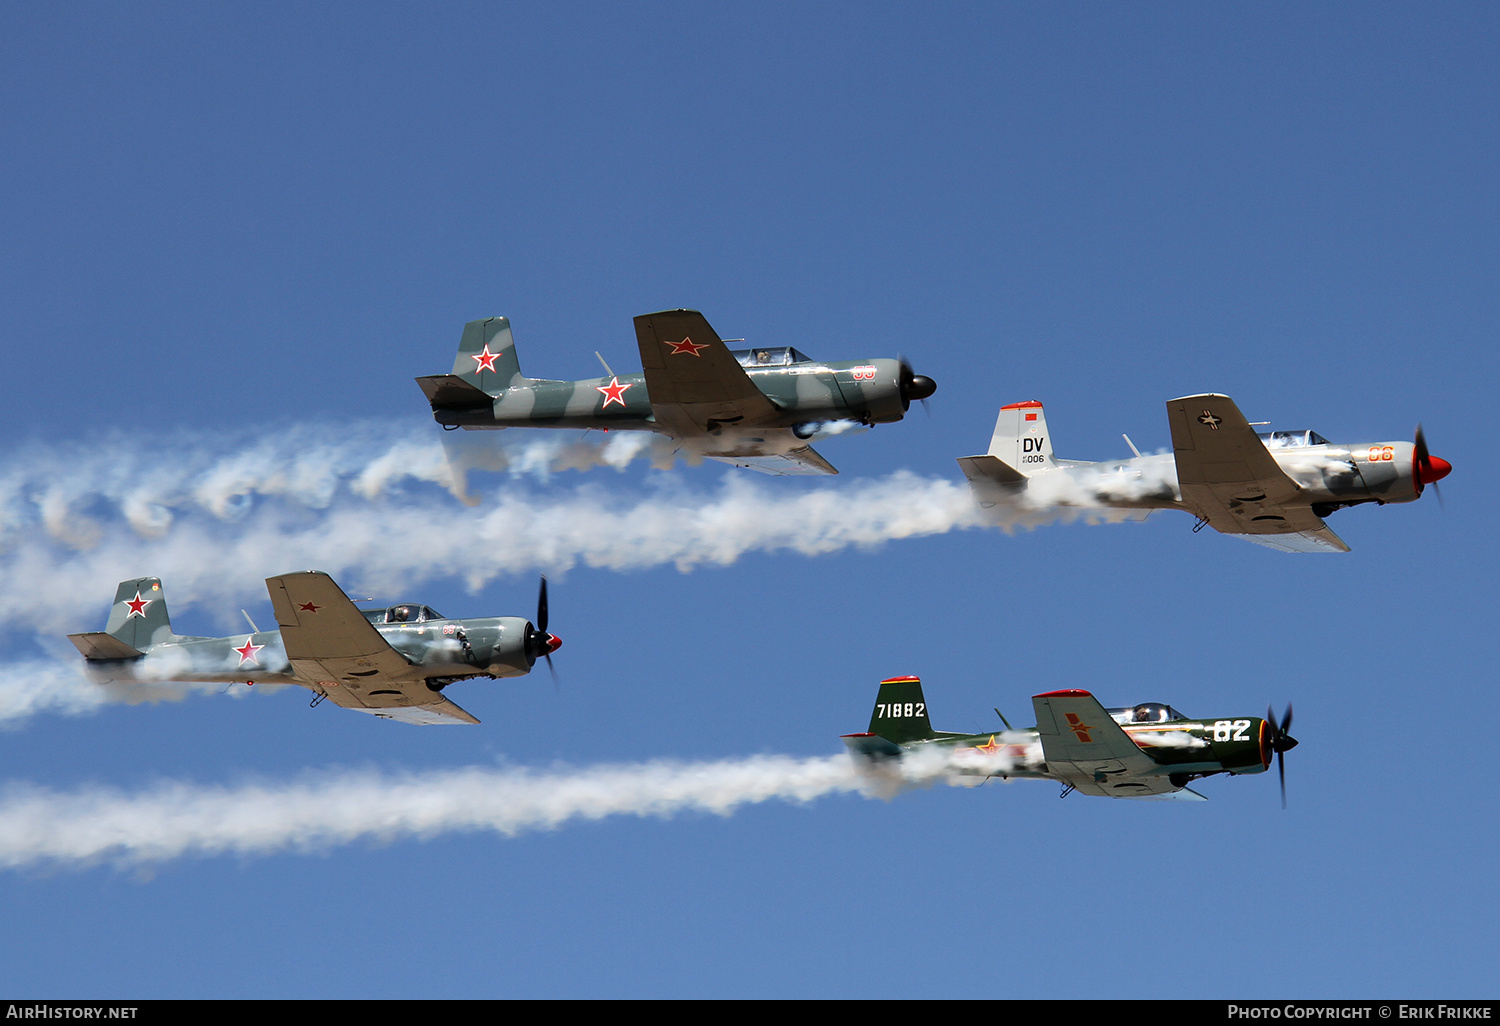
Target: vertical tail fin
<point>139,615</point>
<point>487,356</point>
<point>900,713</point>
<point>1021,438</point>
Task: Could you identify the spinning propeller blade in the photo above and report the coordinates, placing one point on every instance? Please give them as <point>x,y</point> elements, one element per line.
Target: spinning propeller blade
<point>540,644</point>
<point>1281,743</point>
<point>915,386</point>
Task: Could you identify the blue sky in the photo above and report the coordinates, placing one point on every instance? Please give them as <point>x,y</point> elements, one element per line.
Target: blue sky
<point>225,223</point>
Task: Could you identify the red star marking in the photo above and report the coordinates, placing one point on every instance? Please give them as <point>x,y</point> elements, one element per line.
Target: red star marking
<point>688,346</point>
<point>137,605</point>
<point>308,607</point>
<point>486,359</point>
<point>247,652</point>
<point>614,392</point>
<point>989,749</point>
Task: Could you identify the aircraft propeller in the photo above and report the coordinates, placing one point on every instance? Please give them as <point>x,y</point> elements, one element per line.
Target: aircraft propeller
<point>914,386</point>
<point>1281,743</point>
<point>540,644</point>
<point>1427,468</point>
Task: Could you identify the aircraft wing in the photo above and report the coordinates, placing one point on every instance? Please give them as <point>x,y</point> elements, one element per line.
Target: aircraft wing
<point>339,653</point>
<point>1228,476</point>
<point>438,712</point>
<point>695,383</point>
<point>1085,747</point>
<point>803,462</point>
<point>1318,539</point>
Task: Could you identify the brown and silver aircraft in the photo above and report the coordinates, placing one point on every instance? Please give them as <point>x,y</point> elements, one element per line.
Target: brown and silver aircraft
<point>391,662</point>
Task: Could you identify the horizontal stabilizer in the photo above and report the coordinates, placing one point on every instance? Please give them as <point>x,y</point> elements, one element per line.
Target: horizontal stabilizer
<point>99,645</point>
<point>986,469</point>
<point>451,392</point>
<point>871,746</point>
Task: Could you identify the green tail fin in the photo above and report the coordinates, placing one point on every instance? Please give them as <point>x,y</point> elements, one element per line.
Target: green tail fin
<point>900,713</point>
<point>487,356</point>
<point>139,615</point>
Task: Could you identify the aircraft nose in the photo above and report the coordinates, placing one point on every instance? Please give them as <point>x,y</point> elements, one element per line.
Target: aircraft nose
<point>920,387</point>
<point>553,643</point>
<point>1433,469</point>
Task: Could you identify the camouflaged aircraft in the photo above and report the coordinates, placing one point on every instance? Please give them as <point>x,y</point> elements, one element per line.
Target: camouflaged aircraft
<point>1271,488</point>
<point>1142,751</point>
<point>392,662</point>
<point>756,408</point>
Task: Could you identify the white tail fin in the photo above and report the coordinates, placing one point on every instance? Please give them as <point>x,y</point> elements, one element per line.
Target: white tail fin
<point>1021,439</point>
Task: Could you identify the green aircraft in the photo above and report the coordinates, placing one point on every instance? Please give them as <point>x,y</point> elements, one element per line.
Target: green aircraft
<point>391,662</point>
<point>756,408</point>
<point>1143,751</point>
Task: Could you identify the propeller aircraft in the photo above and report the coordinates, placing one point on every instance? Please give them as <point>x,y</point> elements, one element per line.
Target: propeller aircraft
<point>755,408</point>
<point>1143,751</point>
<point>1272,488</point>
<point>392,662</point>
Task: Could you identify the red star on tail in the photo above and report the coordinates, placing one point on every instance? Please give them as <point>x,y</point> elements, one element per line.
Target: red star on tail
<point>688,346</point>
<point>486,359</point>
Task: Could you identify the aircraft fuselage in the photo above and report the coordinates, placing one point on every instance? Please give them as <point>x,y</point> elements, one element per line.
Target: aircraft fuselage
<point>804,394</point>
<point>436,649</point>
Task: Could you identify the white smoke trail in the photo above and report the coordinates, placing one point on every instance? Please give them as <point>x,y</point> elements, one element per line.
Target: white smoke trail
<point>393,545</point>
<point>149,481</point>
<point>173,820</point>
<point>35,686</point>
<point>212,515</point>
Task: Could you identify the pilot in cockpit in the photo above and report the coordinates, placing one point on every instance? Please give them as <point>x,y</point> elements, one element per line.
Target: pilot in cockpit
<point>1149,712</point>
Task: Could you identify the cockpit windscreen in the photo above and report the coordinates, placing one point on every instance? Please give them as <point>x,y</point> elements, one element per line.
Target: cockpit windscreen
<point>1146,712</point>
<point>1291,439</point>
<point>768,356</point>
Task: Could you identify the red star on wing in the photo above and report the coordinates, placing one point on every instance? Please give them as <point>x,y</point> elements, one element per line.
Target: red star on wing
<point>137,605</point>
<point>989,748</point>
<point>247,652</point>
<point>486,359</point>
<point>614,392</point>
<point>688,346</point>
<point>308,607</point>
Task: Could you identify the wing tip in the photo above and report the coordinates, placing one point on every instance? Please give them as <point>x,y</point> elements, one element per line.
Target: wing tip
<point>1200,395</point>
